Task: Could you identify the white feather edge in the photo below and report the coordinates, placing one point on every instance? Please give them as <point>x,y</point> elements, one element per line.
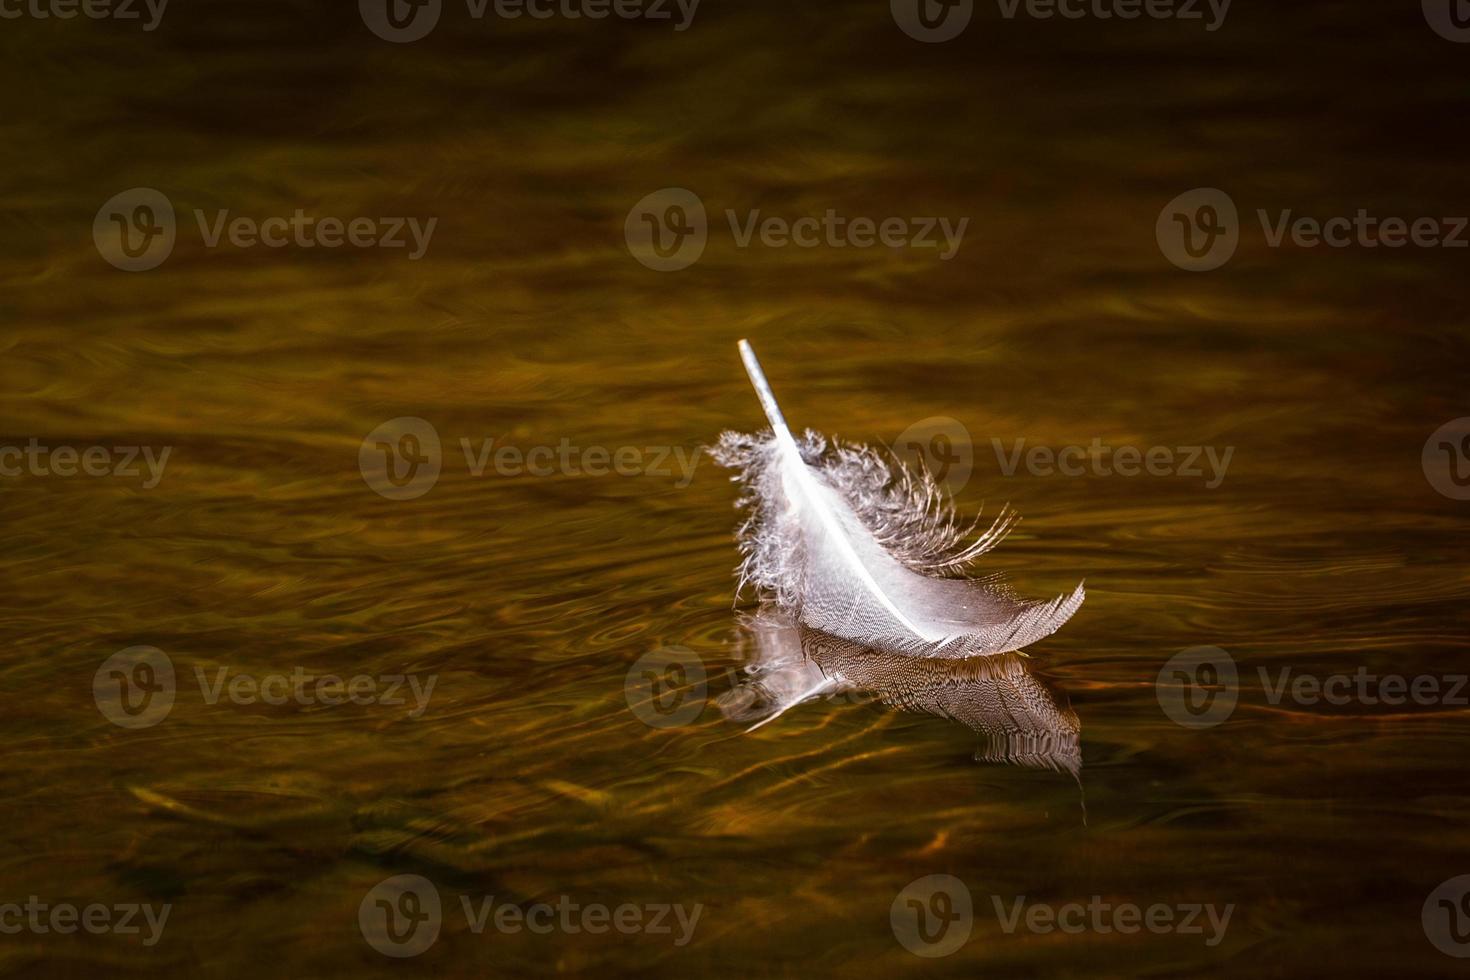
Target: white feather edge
<point>812,491</point>
<point>1030,622</point>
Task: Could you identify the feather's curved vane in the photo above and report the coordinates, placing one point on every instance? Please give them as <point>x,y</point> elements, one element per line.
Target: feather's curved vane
<point>855,545</point>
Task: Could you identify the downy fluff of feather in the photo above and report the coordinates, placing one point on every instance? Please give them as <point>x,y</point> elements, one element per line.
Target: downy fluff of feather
<point>859,546</point>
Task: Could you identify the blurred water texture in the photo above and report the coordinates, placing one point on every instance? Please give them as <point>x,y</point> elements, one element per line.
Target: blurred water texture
<point>529,598</point>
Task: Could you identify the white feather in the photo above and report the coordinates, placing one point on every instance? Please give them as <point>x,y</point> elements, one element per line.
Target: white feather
<point>856,546</point>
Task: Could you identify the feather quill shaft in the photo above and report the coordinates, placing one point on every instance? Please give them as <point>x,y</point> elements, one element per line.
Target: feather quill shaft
<point>808,491</point>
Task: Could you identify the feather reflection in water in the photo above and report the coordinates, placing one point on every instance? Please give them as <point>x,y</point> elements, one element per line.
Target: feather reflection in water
<point>1025,721</point>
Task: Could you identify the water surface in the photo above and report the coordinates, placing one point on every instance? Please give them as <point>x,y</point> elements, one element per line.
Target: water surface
<point>1323,549</point>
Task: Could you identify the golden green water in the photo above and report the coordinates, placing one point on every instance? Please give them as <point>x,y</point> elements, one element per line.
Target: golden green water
<point>262,549</point>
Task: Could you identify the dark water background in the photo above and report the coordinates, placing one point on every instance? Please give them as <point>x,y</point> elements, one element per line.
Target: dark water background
<point>1324,548</point>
